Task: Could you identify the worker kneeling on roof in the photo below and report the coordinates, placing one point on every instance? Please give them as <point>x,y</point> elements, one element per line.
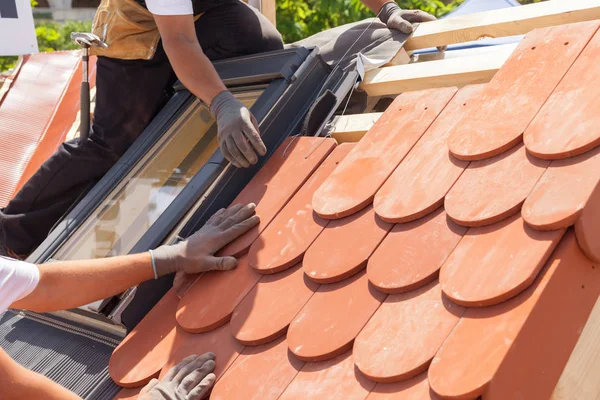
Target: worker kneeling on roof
<point>151,43</point>
<point>42,289</point>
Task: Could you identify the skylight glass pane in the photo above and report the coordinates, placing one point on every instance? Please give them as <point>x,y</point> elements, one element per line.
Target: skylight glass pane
<point>160,176</point>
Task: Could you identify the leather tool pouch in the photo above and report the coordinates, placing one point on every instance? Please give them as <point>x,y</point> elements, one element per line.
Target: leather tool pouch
<point>128,28</point>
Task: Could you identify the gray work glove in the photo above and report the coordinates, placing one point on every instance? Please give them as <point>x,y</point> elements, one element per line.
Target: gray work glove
<point>191,379</point>
<point>238,134</point>
<point>402,20</point>
<point>196,254</point>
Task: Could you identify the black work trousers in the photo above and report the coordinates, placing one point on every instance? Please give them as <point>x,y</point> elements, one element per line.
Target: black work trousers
<point>129,94</point>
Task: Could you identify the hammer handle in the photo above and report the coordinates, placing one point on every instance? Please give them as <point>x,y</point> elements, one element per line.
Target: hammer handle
<point>84,128</point>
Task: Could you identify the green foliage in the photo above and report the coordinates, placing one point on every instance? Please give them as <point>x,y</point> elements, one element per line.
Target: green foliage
<point>297,19</point>
<point>54,36</point>
<point>51,36</point>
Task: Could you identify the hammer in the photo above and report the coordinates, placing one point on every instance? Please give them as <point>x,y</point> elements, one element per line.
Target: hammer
<point>86,40</point>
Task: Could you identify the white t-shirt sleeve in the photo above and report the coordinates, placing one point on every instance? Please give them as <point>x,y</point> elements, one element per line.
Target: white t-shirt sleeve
<point>170,7</point>
<point>17,280</point>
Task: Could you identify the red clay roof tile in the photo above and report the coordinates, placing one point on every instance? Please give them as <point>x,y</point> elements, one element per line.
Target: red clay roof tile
<point>516,345</point>
<point>416,388</point>
<point>353,184</point>
<point>143,353</point>
<point>271,367</point>
<point>519,90</point>
<point>466,363</point>
<point>406,259</point>
<point>27,116</point>
<point>344,247</point>
<point>335,379</point>
<point>587,227</point>
<point>419,184</point>
<point>571,110</point>
<point>509,255</point>
<point>277,181</point>
<point>404,334</point>
<point>493,189</point>
<point>218,341</point>
<point>266,312</point>
<point>283,243</point>
<point>210,302</point>
<point>327,325</point>
<point>560,194</point>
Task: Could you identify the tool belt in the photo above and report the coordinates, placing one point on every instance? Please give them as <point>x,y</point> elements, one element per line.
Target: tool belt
<point>128,28</point>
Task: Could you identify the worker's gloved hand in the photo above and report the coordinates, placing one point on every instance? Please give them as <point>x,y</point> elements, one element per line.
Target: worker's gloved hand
<point>191,379</point>
<point>402,20</point>
<point>196,254</point>
<point>238,134</point>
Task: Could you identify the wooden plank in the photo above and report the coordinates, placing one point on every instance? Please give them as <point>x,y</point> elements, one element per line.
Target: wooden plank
<point>268,8</point>
<point>400,58</point>
<point>351,128</point>
<point>434,74</point>
<point>579,379</point>
<point>500,23</point>
<point>475,51</point>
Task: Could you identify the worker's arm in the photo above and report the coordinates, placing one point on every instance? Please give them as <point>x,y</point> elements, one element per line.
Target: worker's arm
<point>68,284</point>
<point>18,383</point>
<point>394,17</point>
<point>238,134</point>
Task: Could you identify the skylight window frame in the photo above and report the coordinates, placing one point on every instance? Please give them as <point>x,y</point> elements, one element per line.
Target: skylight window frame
<point>275,72</point>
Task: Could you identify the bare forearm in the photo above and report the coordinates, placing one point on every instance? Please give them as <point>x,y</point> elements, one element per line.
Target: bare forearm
<point>375,5</point>
<point>70,284</point>
<point>193,68</point>
<point>18,383</point>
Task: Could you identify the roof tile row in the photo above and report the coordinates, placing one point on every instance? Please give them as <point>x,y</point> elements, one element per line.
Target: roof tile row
<point>436,278</point>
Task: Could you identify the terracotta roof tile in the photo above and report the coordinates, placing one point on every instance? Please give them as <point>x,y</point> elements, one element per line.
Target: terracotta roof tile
<point>519,90</point>
<point>405,333</point>
<point>416,388</point>
<point>405,260</point>
<point>571,109</point>
<point>313,318</point>
<point>509,253</point>
<point>466,364</point>
<point>329,322</point>
<point>271,305</point>
<point>352,186</point>
<point>493,189</point>
<point>144,352</point>
<point>271,366</point>
<point>587,227</point>
<point>559,196</point>
<point>283,243</point>
<point>219,341</point>
<point>344,247</point>
<point>210,302</point>
<point>335,379</point>
<point>277,181</point>
<point>419,184</point>
<point>36,115</point>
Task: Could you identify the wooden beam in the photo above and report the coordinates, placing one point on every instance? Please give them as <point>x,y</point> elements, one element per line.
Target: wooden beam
<point>462,71</point>
<point>581,377</point>
<point>400,58</point>
<point>268,8</point>
<point>351,128</point>
<point>445,55</point>
<point>504,22</point>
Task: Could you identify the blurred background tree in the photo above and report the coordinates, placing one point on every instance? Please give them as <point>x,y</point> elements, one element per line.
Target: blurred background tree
<point>297,19</point>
